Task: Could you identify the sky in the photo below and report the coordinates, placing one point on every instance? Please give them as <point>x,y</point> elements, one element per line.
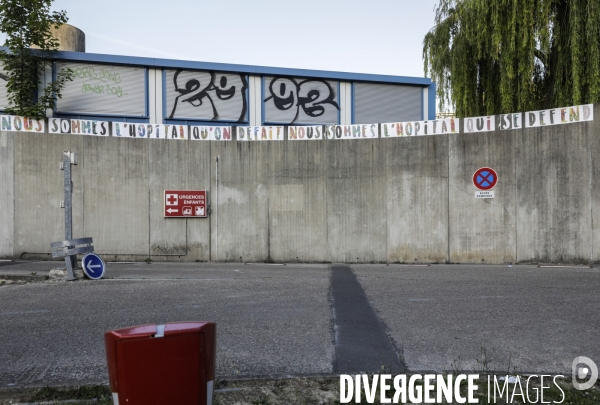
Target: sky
<point>374,36</point>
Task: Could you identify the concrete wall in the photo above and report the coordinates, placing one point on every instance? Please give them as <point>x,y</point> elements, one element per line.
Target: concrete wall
<point>554,193</point>
<point>38,190</point>
<point>298,202</point>
<point>118,192</point>
<point>356,201</point>
<point>387,200</point>
<point>7,195</point>
<point>417,199</point>
<point>482,230</point>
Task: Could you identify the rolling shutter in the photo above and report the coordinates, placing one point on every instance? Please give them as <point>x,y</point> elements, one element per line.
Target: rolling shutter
<point>103,89</point>
<point>374,103</point>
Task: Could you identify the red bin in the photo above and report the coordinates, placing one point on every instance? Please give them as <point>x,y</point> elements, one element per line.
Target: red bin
<point>169,364</point>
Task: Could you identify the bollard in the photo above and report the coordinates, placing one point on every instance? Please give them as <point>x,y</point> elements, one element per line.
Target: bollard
<point>165,364</point>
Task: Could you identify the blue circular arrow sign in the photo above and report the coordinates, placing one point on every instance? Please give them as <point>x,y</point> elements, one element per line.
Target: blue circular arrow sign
<point>93,266</point>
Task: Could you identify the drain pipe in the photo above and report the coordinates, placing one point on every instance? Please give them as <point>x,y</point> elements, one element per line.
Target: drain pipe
<point>217,206</point>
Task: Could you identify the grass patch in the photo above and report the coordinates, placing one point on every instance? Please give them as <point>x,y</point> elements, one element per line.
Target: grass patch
<point>97,394</point>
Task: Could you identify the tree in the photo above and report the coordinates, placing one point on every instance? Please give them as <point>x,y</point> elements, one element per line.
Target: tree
<point>493,57</point>
<point>27,24</point>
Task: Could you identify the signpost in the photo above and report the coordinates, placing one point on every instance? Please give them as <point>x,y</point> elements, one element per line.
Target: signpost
<point>70,248</point>
<point>185,204</point>
<point>93,266</point>
<point>485,179</point>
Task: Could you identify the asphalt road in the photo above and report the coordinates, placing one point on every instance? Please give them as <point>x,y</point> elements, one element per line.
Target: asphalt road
<point>279,320</point>
<point>522,318</point>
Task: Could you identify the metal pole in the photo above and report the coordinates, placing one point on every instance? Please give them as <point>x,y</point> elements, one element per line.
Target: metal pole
<point>217,205</point>
<point>68,197</point>
<point>70,261</point>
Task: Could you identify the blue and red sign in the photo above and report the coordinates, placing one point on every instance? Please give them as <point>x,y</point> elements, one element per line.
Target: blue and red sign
<point>485,178</point>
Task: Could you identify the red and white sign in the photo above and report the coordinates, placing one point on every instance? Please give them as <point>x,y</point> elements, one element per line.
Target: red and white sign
<point>185,203</point>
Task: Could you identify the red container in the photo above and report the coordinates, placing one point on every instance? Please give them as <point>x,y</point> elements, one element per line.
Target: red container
<point>162,364</point>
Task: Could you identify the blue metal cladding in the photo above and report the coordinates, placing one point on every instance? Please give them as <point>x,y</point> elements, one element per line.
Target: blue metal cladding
<point>247,69</point>
<point>309,111</point>
<point>432,102</point>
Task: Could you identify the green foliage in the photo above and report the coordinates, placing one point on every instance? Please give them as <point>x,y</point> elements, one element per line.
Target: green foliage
<point>27,24</point>
<point>493,57</point>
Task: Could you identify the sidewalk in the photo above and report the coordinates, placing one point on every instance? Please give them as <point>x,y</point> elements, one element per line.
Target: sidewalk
<point>155,270</point>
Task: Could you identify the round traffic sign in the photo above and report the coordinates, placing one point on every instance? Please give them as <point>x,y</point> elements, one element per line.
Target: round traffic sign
<point>93,266</point>
<point>485,178</point>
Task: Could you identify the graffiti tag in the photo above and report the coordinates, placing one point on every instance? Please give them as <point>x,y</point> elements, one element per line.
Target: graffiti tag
<point>310,96</point>
<point>221,90</point>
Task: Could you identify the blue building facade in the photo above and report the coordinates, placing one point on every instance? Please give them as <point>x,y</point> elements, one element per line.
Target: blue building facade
<point>164,91</point>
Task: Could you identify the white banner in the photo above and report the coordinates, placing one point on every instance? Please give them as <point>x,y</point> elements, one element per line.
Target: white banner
<point>510,121</point>
<point>557,116</point>
<point>305,133</point>
<point>124,130</point>
<point>274,133</point>
<point>163,131</point>
<point>149,131</point>
<point>78,127</point>
<point>479,124</point>
<point>360,131</point>
<point>198,133</point>
<point>15,123</point>
<point>419,128</point>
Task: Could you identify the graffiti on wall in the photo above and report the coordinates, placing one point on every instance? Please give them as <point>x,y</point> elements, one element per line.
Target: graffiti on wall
<point>97,80</point>
<point>207,95</point>
<point>103,89</point>
<point>300,100</point>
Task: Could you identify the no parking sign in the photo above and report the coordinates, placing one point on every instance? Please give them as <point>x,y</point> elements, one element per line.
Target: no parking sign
<point>485,179</point>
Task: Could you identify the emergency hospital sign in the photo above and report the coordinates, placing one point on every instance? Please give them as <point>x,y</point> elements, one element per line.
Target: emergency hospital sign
<point>185,203</point>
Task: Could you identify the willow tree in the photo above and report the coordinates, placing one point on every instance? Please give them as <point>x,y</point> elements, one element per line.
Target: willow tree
<point>493,57</point>
<point>27,25</point>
